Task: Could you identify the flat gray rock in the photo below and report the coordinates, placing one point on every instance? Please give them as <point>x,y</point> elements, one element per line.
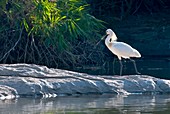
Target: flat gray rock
<point>29,80</point>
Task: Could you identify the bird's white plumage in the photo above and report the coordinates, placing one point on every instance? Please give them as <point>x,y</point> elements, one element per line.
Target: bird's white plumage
<point>120,49</point>
<point>123,50</point>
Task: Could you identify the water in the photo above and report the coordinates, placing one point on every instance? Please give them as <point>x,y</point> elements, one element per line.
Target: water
<point>89,104</point>
<point>156,67</point>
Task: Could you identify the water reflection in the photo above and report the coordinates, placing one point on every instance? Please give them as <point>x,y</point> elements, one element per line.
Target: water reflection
<point>94,104</point>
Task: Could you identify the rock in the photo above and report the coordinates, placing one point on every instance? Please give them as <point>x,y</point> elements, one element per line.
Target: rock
<point>7,92</point>
<point>39,81</point>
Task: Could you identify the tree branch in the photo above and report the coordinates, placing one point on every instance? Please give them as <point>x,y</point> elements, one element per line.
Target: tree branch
<point>13,46</point>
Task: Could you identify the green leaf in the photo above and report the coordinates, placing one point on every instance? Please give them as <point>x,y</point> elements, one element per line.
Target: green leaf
<point>26,25</point>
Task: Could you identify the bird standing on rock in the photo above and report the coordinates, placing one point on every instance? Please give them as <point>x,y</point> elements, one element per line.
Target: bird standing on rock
<point>120,49</point>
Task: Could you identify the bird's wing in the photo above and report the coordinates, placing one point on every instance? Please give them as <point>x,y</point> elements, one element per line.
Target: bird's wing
<point>122,49</point>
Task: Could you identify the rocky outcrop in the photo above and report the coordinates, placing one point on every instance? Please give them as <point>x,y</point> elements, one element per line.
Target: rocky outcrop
<point>39,81</point>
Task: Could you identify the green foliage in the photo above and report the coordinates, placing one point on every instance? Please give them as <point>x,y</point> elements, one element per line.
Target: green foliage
<point>60,22</point>
<point>52,30</point>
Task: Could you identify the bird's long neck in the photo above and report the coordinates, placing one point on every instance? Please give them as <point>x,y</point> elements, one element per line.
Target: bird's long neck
<point>113,37</point>
<point>108,41</point>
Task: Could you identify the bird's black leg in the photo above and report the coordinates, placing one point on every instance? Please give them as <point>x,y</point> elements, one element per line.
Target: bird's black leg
<point>135,66</point>
<point>114,65</point>
<point>121,67</point>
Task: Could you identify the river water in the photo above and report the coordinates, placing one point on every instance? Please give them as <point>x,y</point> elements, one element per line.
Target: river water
<point>89,104</point>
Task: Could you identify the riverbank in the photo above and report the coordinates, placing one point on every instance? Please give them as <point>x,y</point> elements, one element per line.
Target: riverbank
<point>29,80</point>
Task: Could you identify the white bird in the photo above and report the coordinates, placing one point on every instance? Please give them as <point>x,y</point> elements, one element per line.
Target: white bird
<point>120,49</point>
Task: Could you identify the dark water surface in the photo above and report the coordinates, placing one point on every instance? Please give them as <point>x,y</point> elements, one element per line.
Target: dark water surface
<point>156,67</point>
<point>89,104</point>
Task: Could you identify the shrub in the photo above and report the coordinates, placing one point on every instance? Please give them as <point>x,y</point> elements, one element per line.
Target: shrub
<point>53,33</point>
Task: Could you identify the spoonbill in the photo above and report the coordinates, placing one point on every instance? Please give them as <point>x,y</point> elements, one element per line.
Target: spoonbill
<point>120,49</point>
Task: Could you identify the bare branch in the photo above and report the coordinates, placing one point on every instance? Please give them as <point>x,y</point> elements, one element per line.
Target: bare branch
<point>13,46</point>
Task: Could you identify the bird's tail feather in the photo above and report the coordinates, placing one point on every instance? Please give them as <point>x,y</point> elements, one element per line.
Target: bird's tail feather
<point>137,54</point>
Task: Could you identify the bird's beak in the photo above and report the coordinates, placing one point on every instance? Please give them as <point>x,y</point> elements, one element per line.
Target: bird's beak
<point>104,37</point>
